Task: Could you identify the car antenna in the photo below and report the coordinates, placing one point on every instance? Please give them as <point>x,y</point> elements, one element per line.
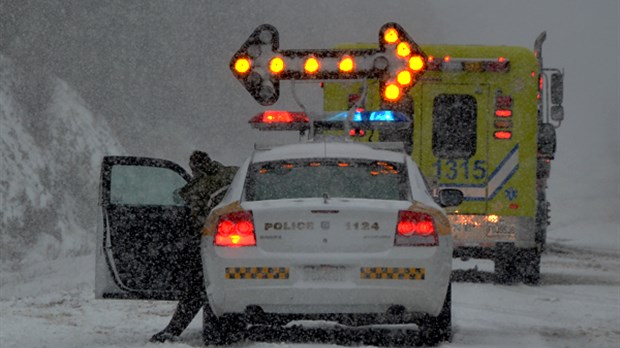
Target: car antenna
<point>303,108</point>
<point>361,101</point>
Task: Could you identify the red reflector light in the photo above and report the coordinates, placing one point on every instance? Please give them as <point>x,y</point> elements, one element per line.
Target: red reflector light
<point>235,230</point>
<point>503,124</point>
<point>357,132</point>
<point>499,66</point>
<point>503,101</point>
<point>502,135</point>
<point>433,64</point>
<point>540,82</point>
<point>415,229</point>
<point>503,113</point>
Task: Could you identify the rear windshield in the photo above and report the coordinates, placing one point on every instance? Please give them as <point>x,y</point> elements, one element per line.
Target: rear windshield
<point>344,178</point>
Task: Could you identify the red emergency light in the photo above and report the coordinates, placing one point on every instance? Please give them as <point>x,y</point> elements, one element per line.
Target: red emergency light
<point>280,120</point>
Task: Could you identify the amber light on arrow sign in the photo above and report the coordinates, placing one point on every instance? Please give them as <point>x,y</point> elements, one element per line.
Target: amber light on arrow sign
<point>276,65</point>
<point>404,77</point>
<point>390,35</point>
<point>346,64</point>
<point>392,92</point>
<point>416,63</point>
<point>242,65</point>
<point>403,49</point>
<point>311,65</point>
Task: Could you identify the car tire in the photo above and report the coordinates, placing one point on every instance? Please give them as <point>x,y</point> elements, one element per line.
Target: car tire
<point>222,331</point>
<point>435,330</point>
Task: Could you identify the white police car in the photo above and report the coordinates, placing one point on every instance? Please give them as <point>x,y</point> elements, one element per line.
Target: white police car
<point>336,231</point>
<point>342,232</point>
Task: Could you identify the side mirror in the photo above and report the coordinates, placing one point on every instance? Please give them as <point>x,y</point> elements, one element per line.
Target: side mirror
<point>450,197</point>
<point>546,140</point>
<point>557,112</point>
<point>557,88</point>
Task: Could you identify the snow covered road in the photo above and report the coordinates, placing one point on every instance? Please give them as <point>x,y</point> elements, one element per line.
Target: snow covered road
<point>577,305</point>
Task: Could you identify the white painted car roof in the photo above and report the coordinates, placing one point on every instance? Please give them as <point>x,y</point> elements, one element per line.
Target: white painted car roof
<point>327,150</point>
<point>331,150</point>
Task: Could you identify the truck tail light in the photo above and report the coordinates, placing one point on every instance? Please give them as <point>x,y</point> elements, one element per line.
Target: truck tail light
<point>502,135</point>
<point>415,229</point>
<point>503,113</point>
<point>235,230</point>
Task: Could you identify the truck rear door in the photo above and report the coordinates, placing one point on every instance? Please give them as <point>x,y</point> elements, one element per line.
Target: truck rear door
<point>144,240</point>
<point>454,140</point>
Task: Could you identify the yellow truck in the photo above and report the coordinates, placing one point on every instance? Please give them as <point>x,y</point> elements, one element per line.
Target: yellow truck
<point>484,120</point>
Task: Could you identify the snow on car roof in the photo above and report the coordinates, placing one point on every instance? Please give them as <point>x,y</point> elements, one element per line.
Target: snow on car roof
<point>327,150</point>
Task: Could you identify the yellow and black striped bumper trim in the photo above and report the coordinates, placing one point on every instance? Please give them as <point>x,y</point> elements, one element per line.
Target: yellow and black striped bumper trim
<point>257,272</point>
<point>396,273</point>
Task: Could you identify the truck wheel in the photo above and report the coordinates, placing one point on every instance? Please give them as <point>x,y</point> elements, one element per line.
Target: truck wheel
<point>435,330</point>
<point>506,264</point>
<point>529,266</point>
<point>221,331</point>
<point>542,220</point>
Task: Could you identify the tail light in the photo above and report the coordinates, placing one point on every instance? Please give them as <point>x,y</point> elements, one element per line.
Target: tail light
<point>235,230</point>
<point>415,229</point>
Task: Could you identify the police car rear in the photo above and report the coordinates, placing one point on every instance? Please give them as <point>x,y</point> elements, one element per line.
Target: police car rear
<point>337,231</point>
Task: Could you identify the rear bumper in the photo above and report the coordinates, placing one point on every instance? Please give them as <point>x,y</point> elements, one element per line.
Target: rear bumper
<point>478,235</point>
<point>241,279</point>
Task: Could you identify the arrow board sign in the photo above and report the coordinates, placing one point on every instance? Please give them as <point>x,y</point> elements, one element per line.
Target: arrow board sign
<point>259,64</point>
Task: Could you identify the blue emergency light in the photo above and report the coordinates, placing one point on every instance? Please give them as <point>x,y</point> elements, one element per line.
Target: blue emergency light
<point>371,116</point>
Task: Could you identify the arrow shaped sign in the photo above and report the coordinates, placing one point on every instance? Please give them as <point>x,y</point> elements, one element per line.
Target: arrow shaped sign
<point>259,65</point>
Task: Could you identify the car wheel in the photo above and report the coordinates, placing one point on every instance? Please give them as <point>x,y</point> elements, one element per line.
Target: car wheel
<point>438,329</point>
<point>221,331</point>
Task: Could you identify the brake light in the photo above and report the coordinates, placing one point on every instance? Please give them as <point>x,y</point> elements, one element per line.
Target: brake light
<point>503,113</point>
<point>415,229</point>
<point>355,132</point>
<point>502,135</point>
<point>235,230</point>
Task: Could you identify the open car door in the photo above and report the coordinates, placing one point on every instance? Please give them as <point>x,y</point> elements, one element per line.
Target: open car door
<point>144,240</point>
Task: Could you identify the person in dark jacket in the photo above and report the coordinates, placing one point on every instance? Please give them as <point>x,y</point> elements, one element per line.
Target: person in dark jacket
<point>201,194</point>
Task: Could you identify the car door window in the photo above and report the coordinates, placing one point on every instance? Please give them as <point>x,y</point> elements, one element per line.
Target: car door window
<point>138,185</point>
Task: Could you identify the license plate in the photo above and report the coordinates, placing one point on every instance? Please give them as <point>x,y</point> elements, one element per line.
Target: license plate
<point>324,273</point>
